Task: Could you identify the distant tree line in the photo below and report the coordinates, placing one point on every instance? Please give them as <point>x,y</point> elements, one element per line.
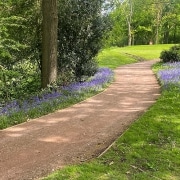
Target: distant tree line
<point>138,22</point>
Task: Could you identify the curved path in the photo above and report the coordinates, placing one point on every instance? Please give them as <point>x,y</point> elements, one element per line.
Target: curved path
<point>76,134</point>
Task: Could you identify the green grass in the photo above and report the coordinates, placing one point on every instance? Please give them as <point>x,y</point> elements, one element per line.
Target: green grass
<point>146,51</point>
<point>148,150</point>
<point>113,58</point>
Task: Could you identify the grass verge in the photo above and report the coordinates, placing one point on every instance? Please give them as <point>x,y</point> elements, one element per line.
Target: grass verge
<point>44,109</point>
<point>114,57</point>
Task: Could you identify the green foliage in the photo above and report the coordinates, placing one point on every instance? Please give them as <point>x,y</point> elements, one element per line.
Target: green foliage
<point>81,27</point>
<point>19,48</point>
<point>9,47</point>
<point>171,23</point>
<point>18,84</point>
<point>155,22</point>
<point>19,22</point>
<point>171,55</point>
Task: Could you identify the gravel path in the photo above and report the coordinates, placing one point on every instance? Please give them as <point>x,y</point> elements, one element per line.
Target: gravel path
<point>81,132</point>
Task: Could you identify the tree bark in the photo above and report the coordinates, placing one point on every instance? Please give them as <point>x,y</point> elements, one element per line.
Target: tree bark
<point>49,42</point>
<point>129,34</point>
<point>129,21</point>
<point>157,28</point>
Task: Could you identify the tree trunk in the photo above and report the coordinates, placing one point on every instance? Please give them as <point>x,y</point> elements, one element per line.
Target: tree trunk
<point>129,34</point>
<point>49,42</point>
<point>157,35</point>
<point>129,21</point>
<point>159,8</point>
<point>174,34</point>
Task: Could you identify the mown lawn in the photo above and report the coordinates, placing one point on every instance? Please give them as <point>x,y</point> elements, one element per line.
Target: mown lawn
<point>112,58</point>
<point>146,51</point>
<point>149,149</point>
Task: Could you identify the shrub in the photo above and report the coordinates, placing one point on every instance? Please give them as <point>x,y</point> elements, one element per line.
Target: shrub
<point>80,31</point>
<point>20,28</point>
<point>171,55</point>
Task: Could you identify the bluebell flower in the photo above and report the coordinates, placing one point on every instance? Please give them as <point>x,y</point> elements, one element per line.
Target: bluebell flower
<point>102,77</point>
<point>170,75</point>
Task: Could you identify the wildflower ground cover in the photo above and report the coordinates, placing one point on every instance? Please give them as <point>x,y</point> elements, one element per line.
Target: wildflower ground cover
<point>149,149</point>
<point>170,75</point>
<point>18,111</point>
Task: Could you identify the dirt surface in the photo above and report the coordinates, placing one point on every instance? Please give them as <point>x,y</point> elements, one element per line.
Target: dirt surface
<point>36,148</point>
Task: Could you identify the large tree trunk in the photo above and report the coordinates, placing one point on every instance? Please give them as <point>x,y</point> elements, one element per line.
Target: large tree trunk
<point>49,42</point>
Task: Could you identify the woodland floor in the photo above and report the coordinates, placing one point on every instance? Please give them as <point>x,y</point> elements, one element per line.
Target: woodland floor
<point>81,132</point>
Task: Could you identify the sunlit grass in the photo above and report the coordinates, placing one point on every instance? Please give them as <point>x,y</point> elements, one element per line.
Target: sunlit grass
<point>146,51</point>
<point>113,58</point>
